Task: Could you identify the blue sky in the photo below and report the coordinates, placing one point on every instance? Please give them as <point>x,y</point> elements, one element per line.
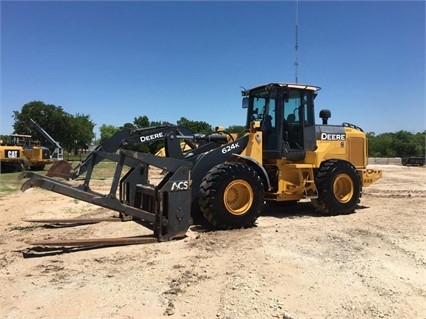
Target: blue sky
<point>166,60</point>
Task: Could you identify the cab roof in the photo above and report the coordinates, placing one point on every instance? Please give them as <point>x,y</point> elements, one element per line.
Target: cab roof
<point>20,135</point>
<point>289,85</point>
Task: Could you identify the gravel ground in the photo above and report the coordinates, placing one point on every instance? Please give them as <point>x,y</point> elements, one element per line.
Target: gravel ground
<point>293,264</point>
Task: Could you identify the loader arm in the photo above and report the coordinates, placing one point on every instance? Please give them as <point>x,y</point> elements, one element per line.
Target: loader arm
<point>164,208</point>
<point>126,139</point>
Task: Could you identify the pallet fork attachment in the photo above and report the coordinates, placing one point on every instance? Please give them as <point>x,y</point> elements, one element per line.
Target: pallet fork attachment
<point>164,208</point>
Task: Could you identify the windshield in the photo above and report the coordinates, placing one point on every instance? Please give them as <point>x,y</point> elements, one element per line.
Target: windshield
<point>262,107</point>
<point>298,107</point>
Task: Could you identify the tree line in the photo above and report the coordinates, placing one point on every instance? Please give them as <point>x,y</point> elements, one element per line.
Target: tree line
<point>75,132</point>
<point>396,144</point>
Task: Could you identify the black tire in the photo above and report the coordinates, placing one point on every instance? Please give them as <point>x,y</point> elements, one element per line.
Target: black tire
<point>197,215</point>
<point>339,188</point>
<point>10,167</point>
<point>37,168</point>
<point>231,196</point>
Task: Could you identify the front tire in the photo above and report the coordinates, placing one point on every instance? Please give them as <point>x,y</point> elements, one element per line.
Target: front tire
<point>231,196</point>
<point>339,188</point>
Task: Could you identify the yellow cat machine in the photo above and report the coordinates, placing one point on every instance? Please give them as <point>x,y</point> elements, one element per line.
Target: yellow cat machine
<point>11,157</point>
<point>35,156</point>
<point>223,179</point>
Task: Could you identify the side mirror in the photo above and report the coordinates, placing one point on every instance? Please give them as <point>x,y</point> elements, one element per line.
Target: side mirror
<point>245,102</point>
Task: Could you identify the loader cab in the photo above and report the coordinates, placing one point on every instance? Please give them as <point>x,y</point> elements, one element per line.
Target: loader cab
<point>286,115</point>
<point>21,140</point>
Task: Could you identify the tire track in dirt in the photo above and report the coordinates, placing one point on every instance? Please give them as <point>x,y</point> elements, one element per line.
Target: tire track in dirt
<point>400,193</point>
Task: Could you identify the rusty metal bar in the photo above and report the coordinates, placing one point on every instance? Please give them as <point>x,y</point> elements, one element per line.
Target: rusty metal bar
<point>74,220</point>
<point>119,241</point>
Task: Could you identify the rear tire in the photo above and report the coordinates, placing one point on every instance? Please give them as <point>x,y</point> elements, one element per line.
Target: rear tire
<point>231,196</point>
<point>339,188</point>
<point>37,168</point>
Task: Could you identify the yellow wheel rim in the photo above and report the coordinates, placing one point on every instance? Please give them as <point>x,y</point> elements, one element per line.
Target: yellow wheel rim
<point>238,197</point>
<point>343,188</point>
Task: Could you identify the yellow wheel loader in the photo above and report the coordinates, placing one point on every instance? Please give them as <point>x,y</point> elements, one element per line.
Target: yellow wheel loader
<point>22,152</point>
<point>226,179</point>
<point>35,156</point>
<point>11,157</point>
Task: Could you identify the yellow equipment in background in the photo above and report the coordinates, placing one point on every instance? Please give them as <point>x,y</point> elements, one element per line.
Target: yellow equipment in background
<point>11,157</point>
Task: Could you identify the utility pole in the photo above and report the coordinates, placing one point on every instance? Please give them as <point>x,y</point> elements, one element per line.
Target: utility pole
<point>296,47</point>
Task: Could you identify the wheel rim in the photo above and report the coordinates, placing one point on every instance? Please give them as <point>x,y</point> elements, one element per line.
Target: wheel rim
<point>238,197</point>
<point>343,188</point>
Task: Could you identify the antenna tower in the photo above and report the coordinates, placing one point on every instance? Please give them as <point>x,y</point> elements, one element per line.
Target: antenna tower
<point>296,47</point>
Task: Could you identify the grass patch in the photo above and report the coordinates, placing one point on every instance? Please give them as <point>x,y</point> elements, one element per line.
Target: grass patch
<point>102,171</point>
<point>9,183</point>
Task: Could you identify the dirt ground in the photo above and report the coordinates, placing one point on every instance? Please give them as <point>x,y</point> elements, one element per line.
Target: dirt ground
<point>294,264</point>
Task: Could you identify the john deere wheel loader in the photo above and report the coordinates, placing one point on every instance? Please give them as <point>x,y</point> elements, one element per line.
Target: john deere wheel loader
<point>283,156</point>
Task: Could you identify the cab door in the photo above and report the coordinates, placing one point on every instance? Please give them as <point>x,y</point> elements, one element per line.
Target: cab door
<point>298,124</point>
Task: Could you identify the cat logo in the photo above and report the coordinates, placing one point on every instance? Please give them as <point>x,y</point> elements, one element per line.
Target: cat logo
<point>12,154</point>
<point>180,186</point>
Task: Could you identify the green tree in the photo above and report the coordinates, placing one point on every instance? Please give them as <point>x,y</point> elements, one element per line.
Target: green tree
<point>396,144</point>
<point>127,126</point>
<point>4,139</point>
<point>159,123</point>
<point>420,141</point>
<point>373,147</point>
<point>82,128</point>
<point>386,145</point>
<point>50,117</point>
<point>141,121</point>
<point>402,144</point>
<point>107,131</point>
<point>200,127</point>
<point>239,129</point>
<point>70,131</point>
